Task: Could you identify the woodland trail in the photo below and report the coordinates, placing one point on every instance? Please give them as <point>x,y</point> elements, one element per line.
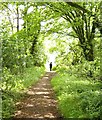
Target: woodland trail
<point>40,102</point>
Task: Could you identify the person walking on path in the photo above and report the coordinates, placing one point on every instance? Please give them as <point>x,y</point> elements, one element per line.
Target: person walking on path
<point>50,66</point>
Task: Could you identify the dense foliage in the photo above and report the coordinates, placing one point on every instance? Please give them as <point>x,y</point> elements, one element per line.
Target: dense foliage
<point>74,29</point>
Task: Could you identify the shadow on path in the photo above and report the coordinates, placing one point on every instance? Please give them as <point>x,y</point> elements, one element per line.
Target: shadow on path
<point>40,102</point>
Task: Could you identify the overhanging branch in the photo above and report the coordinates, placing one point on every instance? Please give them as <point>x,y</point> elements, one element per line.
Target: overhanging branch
<point>73,4</point>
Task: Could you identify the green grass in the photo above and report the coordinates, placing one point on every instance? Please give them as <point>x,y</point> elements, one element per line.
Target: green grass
<point>29,77</point>
<point>77,97</point>
<point>15,86</point>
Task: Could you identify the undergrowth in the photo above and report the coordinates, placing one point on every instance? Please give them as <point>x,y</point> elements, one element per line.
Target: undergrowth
<point>14,87</point>
<point>78,97</point>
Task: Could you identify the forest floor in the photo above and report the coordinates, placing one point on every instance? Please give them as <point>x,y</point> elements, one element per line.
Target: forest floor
<point>40,101</point>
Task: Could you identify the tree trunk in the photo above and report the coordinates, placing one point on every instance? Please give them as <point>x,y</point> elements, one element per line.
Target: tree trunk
<point>101,41</point>
<point>88,52</point>
<point>34,42</point>
<point>17,18</point>
<point>33,45</point>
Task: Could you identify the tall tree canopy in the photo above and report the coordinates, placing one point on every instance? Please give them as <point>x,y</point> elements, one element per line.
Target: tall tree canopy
<point>84,19</point>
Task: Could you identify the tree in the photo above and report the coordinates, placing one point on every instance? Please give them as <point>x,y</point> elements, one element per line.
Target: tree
<point>82,23</point>
<point>22,48</point>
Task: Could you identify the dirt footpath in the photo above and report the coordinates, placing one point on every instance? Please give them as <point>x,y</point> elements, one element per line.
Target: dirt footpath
<point>40,102</point>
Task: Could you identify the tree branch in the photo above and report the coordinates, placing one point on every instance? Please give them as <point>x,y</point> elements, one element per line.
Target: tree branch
<point>73,4</point>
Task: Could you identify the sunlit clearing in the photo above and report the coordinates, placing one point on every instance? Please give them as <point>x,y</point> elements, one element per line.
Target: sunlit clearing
<point>51,58</point>
<point>49,44</point>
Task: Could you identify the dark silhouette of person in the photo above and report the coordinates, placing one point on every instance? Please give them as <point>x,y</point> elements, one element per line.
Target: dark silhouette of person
<point>50,66</point>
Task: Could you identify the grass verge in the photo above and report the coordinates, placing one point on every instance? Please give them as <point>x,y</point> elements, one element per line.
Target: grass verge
<point>78,97</point>
<point>14,87</point>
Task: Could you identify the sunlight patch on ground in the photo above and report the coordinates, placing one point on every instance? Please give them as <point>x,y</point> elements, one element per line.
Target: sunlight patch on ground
<point>30,105</point>
<point>46,97</point>
<point>18,112</point>
<point>49,115</point>
<point>37,93</point>
<point>45,77</point>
